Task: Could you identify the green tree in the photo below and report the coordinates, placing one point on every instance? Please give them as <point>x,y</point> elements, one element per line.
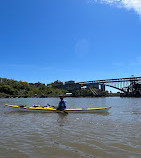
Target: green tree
<point>7,89</point>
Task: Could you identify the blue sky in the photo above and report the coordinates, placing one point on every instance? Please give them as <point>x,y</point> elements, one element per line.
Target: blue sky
<point>81,40</point>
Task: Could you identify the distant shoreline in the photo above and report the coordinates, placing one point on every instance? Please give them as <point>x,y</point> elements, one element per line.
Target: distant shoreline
<point>65,97</point>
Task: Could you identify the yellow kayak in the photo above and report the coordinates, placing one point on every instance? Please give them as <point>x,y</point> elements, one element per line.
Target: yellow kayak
<point>51,109</point>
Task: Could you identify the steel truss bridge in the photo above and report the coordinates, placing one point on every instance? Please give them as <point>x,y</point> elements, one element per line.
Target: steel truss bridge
<point>129,86</point>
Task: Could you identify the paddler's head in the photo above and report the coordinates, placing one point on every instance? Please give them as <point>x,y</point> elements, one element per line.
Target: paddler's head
<point>61,97</point>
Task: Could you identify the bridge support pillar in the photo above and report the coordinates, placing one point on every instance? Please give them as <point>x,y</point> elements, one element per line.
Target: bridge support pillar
<point>102,87</point>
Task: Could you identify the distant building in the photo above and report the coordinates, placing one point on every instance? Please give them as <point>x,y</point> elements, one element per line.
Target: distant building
<point>58,82</point>
<point>68,94</point>
<point>69,82</point>
<point>37,84</point>
<point>95,85</point>
<point>3,80</point>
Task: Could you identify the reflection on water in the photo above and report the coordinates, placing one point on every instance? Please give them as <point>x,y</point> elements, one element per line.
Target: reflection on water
<point>102,135</point>
<point>62,119</point>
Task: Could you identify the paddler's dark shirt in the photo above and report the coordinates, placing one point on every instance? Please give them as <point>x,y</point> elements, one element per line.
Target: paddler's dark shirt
<point>62,105</point>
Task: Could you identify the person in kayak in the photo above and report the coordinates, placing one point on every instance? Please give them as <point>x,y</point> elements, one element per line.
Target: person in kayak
<point>62,104</point>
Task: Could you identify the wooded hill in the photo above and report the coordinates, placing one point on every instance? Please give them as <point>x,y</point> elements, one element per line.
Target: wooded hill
<point>13,88</point>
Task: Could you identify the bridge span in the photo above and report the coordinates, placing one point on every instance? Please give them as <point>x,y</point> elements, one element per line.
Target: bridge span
<point>130,86</point>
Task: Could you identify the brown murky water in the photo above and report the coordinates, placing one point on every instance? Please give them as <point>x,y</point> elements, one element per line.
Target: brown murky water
<point>116,134</point>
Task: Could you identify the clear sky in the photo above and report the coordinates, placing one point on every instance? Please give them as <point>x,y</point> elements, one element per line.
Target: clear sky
<point>81,40</point>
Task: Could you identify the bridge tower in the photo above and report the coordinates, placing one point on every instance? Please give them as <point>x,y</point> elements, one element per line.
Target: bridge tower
<point>102,87</point>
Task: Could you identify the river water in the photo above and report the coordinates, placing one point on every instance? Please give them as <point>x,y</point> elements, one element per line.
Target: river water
<point>116,134</point>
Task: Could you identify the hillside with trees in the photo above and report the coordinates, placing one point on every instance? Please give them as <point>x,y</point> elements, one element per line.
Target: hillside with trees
<point>13,88</point>
<point>9,88</point>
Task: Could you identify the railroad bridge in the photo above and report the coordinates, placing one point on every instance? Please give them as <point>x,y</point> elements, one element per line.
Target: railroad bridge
<point>128,86</point>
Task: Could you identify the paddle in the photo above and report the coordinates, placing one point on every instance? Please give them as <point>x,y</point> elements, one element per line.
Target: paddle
<point>65,112</point>
<point>57,109</point>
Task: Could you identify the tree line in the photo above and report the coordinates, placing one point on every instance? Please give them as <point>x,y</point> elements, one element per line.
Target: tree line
<point>13,88</point>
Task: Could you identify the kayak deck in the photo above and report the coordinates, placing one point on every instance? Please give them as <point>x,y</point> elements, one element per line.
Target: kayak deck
<point>50,109</point>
